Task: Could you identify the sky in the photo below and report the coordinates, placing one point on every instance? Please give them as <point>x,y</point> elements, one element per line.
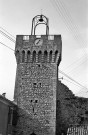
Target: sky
<point>66,17</point>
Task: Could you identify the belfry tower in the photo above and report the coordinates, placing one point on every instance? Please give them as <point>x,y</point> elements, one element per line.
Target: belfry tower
<point>38,58</point>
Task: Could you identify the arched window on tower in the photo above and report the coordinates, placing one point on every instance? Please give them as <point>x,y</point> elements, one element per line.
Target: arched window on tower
<point>56,54</point>
<point>28,56</point>
<point>45,56</point>
<point>18,56</point>
<point>23,56</point>
<point>34,56</point>
<point>39,56</point>
<point>50,56</point>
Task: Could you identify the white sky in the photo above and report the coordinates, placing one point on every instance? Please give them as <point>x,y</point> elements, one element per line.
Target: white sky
<point>66,17</point>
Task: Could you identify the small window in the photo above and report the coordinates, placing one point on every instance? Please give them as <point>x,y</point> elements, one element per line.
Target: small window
<point>39,56</point>
<point>56,54</point>
<point>38,36</point>
<point>36,101</point>
<point>38,65</point>
<point>45,56</point>
<point>50,56</point>
<point>51,37</point>
<point>34,56</point>
<point>23,56</point>
<point>31,101</point>
<point>39,85</point>
<point>34,85</point>
<point>28,56</point>
<point>25,37</point>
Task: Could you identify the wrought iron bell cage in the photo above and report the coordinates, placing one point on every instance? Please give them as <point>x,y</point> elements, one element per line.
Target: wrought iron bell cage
<point>40,19</point>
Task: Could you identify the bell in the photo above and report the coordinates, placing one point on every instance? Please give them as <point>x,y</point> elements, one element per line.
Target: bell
<point>41,19</point>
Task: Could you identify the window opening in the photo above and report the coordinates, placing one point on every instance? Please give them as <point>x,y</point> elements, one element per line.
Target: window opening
<point>28,56</point>
<point>50,56</point>
<point>23,56</point>
<point>45,56</point>
<point>34,85</point>
<point>56,53</point>
<point>39,56</point>
<point>34,56</point>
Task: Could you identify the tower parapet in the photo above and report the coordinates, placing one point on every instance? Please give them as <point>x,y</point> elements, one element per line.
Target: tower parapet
<point>43,48</point>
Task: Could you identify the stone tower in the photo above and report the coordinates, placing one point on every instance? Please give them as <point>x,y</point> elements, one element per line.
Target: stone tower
<point>38,58</point>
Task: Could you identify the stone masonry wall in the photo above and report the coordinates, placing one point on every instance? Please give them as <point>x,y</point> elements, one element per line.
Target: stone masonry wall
<point>36,83</point>
<point>36,94</point>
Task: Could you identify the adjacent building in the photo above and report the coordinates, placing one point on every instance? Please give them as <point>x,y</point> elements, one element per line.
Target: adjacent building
<point>8,116</point>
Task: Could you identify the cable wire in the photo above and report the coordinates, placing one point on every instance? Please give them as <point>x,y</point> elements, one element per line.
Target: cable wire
<point>63,12</point>
<point>7,36</point>
<point>71,82</point>
<point>68,20</point>
<point>72,79</point>
<point>6,46</point>
<point>7,32</point>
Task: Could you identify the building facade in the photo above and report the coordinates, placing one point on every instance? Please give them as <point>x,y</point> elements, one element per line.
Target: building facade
<point>38,58</point>
<point>7,116</point>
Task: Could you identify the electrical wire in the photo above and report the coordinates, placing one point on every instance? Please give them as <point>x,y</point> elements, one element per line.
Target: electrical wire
<point>75,62</point>
<point>72,79</point>
<point>68,20</point>
<point>71,82</point>
<point>63,12</point>
<point>78,66</point>
<point>7,32</point>
<point>74,26</point>
<point>7,36</point>
<point>6,46</point>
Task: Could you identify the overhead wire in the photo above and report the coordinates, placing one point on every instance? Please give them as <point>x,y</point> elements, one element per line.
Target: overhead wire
<point>78,66</point>
<point>67,20</point>
<point>7,32</point>
<point>72,79</point>
<point>59,70</point>
<point>75,62</point>
<point>82,91</point>
<point>71,82</point>
<point>6,46</point>
<point>3,33</point>
<point>75,27</point>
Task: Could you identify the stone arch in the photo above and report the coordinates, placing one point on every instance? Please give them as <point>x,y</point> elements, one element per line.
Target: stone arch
<point>56,54</point>
<point>18,56</point>
<point>40,56</point>
<point>45,56</point>
<point>34,56</point>
<point>23,56</point>
<point>28,56</point>
<point>50,56</point>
